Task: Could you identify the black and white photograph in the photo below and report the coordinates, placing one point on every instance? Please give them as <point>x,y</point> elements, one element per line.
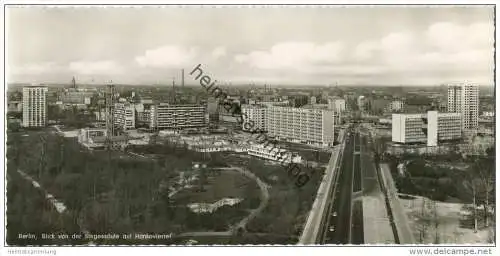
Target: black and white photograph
<point>240,125</point>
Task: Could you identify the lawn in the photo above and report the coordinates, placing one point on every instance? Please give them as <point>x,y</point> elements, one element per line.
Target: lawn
<point>284,217</point>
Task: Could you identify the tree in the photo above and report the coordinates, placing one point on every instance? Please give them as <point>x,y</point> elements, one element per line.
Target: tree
<point>484,171</point>
<point>472,184</point>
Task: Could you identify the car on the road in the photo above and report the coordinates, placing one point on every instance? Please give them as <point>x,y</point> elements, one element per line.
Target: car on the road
<point>334,214</point>
<point>331,229</point>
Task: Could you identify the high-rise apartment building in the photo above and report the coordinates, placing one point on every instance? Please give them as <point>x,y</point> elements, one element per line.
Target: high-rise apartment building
<point>336,104</point>
<point>311,126</point>
<point>396,105</point>
<point>124,115</point>
<point>464,99</point>
<point>213,110</point>
<point>34,106</point>
<point>431,128</point>
<point>256,114</point>
<point>361,102</point>
<point>167,116</point>
<point>313,100</point>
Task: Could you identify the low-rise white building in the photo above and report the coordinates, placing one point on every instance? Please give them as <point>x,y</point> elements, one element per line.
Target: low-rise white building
<point>272,153</point>
<point>429,128</point>
<point>95,138</point>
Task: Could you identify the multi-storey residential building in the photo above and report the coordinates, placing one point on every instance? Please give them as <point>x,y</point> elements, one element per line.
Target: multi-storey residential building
<point>448,126</point>
<point>167,116</point>
<point>124,115</point>
<point>464,99</point>
<point>336,104</point>
<point>256,114</point>
<point>313,100</point>
<point>361,102</point>
<point>100,115</point>
<point>396,105</point>
<point>142,114</point>
<point>34,106</point>
<point>312,126</point>
<point>430,128</point>
<point>213,111</point>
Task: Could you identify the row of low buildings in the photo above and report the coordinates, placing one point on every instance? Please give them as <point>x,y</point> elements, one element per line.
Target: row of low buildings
<point>273,153</point>
<point>96,138</point>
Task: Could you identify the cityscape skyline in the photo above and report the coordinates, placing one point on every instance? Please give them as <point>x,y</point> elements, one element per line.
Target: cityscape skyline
<point>419,46</point>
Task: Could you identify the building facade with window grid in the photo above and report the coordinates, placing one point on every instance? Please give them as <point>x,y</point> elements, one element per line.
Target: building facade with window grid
<point>430,128</point>
<point>124,116</point>
<point>256,114</point>
<point>166,116</point>
<point>34,106</point>
<point>464,99</point>
<point>310,126</point>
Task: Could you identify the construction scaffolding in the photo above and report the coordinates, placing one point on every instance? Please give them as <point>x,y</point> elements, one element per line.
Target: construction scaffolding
<point>110,122</point>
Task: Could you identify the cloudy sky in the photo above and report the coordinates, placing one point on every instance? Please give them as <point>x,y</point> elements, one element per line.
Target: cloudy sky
<point>305,45</point>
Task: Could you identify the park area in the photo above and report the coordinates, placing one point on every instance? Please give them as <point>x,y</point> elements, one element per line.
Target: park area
<point>449,203</point>
<point>116,192</point>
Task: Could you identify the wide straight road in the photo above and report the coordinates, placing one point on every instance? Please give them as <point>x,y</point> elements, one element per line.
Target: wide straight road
<point>338,227</point>
<point>357,235</point>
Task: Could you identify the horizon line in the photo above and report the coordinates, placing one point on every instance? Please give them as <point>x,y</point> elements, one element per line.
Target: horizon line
<point>243,84</point>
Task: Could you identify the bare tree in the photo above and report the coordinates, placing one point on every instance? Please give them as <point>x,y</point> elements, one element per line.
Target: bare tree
<point>485,173</point>
<point>43,157</point>
<point>423,226</point>
<point>436,222</point>
<point>471,184</point>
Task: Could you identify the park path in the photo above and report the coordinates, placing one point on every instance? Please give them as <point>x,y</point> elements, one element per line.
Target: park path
<point>264,188</point>
<point>58,205</point>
